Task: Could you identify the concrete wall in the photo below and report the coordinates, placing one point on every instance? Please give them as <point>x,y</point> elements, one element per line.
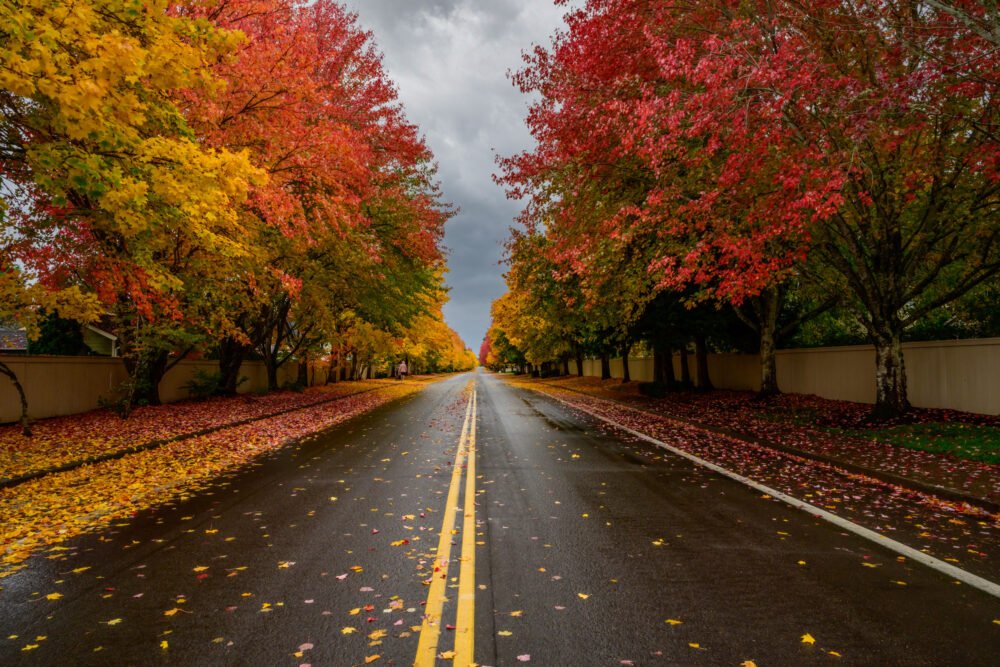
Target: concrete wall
<point>956,374</point>
<point>69,385</point>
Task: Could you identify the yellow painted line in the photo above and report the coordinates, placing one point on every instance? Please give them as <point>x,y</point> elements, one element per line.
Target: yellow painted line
<point>430,629</point>
<point>466,621</point>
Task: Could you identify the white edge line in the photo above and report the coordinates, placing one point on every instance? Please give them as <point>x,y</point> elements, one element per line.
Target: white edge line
<point>973,580</point>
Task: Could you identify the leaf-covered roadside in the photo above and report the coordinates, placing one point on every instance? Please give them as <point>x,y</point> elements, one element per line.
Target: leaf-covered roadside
<point>957,533</point>
<point>63,440</point>
<point>49,510</point>
<point>833,429</point>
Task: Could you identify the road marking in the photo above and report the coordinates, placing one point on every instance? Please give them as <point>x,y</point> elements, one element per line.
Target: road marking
<point>466,621</point>
<point>430,629</point>
<point>973,580</point>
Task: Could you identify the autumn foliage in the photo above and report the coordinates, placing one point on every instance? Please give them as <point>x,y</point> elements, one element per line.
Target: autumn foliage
<point>225,178</point>
<point>739,152</point>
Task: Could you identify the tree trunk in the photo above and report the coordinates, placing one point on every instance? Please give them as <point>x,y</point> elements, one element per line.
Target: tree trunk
<point>354,366</point>
<point>579,362</point>
<point>232,354</point>
<point>668,369</point>
<point>768,364</point>
<point>565,366</point>
<point>303,375</point>
<point>156,368</point>
<point>626,377</point>
<point>701,358</point>
<point>271,367</point>
<point>605,366</point>
<point>890,375</point>
<point>25,429</point>
<point>766,308</point>
<point>685,368</point>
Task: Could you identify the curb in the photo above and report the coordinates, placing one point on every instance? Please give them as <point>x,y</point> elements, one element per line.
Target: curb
<point>909,483</point>
<point>121,453</point>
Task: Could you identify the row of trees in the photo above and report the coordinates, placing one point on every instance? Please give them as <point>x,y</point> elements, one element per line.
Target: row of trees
<point>771,160</point>
<point>225,178</point>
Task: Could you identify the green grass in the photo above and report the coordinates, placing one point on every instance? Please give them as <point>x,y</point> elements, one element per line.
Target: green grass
<point>963,441</point>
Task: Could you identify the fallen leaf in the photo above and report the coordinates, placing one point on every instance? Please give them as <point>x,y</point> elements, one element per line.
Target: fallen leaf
<point>348,631</point>
<point>583,596</point>
<point>808,639</point>
<point>505,633</point>
<point>114,621</point>
<point>53,596</point>
<point>524,658</point>
<point>671,621</point>
<point>372,658</point>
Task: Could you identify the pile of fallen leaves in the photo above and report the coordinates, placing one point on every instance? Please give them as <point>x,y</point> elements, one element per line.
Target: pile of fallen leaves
<point>56,507</point>
<point>63,440</point>
<point>739,411</point>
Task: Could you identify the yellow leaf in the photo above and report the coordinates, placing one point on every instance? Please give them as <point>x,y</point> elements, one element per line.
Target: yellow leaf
<point>164,645</point>
<point>583,596</point>
<point>200,568</point>
<point>802,562</point>
<point>355,611</point>
<point>671,621</point>
<point>81,569</point>
<point>516,613</point>
<point>53,596</point>
<point>372,658</point>
<point>378,634</point>
<point>348,631</point>
<point>748,663</point>
<point>30,647</point>
<point>834,653</point>
<point>808,639</point>
<point>505,633</point>
<point>171,612</point>
<point>357,568</point>
<point>694,645</point>
<point>447,655</point>
<point>114,621</point>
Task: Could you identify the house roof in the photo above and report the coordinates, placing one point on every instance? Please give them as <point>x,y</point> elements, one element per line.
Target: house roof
<point>13,339</point>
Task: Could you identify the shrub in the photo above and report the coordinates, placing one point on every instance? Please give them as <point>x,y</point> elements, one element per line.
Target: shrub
<point>653,389</point>
<point>204,385</point>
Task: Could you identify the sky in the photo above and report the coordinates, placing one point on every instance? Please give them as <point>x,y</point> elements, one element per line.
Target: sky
<point>449,60</point>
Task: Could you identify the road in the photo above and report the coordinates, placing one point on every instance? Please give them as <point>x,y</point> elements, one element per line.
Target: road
<point>574,547</point>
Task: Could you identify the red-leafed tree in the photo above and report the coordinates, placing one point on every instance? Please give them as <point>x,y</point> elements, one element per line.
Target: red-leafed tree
<point>722,143</point>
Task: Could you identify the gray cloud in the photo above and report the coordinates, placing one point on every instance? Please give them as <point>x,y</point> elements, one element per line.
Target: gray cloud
<point>449,59</point>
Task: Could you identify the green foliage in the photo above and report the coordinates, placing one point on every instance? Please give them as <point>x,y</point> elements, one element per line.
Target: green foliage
<point>205,385</point>
<point>59,336</point>
<point>654,389</point>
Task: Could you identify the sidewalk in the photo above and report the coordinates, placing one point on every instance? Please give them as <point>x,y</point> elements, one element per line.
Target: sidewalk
<point>739,415</point>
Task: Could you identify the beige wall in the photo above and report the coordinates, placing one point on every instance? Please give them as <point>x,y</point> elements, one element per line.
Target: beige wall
<point>956,374</point>
<point>69,385</point>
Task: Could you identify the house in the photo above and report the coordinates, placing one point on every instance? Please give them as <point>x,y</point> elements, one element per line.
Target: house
<point>100,342</point>
<point>13,341</point>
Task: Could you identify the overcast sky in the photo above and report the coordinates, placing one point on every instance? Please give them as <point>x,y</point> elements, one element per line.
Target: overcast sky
<point>450,59</point>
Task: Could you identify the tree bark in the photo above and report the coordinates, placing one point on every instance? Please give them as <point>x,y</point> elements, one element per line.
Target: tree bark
<point>232,354</point>
<point>767,306</point>
<point>579,362</point>
<point>685,368</point>
<point>25,429</point>
<point>565,366</point>
<point>890,375</point>
<point>302,377</point>
<point>701,359</point>
<point>605,366</point>
<point>626,376</point>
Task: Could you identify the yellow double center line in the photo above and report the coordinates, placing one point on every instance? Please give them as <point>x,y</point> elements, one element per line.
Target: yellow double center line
<point>430,630</point>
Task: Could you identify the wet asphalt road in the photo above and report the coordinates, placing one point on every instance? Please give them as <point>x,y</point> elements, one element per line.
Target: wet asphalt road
<point>591,550</point>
